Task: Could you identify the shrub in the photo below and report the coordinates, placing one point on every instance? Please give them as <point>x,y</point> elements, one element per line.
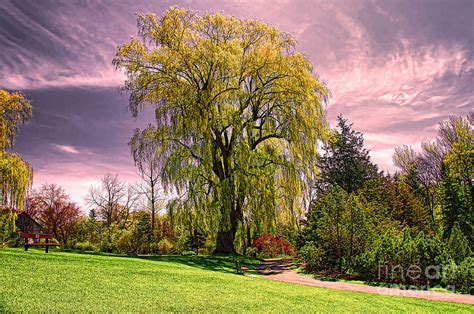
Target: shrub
<point>86,246</point>
<point>165,246</point>
<point>108,247</point>
<point>196,240</point>
<point>124,242</point>
<point>268,245</point>
<point>251,252</point>
<point>337,222</point>
<point>458,244</point>
<point>312,256</point>
<point>14,241</point>
<point>462,278</point>
<point>188,253</point>
<point>203,251</point>
<point>136,239</point>
<point>154,248</point>
<point>404,259</point>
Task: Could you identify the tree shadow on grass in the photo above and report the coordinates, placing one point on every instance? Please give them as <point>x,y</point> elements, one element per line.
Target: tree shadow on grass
<point>221,263</point>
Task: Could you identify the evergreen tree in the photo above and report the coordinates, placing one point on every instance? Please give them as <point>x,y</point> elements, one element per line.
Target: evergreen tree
<point>338,226</point>
<point>458,245</point>
<point>346,162</point>
<point>456,190</point>
<point>196,240</point>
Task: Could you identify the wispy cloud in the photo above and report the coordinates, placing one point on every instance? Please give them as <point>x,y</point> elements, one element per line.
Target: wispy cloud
<point>404,95</point>
<point>66,149</point>
<point>395,68</point>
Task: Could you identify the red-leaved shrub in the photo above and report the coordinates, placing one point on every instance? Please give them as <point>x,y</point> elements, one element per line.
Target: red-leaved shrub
<point>269,245</point>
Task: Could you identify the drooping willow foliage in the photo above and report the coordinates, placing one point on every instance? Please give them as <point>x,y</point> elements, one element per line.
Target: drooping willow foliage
<point>238,115</point>
<point>15,174</point>
<point>15,109</point>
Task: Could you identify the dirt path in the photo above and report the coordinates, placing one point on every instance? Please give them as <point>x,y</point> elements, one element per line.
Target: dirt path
<point>279,270</point>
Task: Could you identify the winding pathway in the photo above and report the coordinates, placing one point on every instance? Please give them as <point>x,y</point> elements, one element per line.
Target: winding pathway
<point>279,270</point>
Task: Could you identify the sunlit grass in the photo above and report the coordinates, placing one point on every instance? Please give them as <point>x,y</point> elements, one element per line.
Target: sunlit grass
<point>60,281</point>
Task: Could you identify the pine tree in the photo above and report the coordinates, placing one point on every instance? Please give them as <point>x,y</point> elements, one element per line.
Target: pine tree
<point>346,162</point>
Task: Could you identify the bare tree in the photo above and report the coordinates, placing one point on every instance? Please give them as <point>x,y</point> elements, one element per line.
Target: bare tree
<point>144,151</point>
<point>113,200</point>
<point>426,167</point>
<point>428,164</point>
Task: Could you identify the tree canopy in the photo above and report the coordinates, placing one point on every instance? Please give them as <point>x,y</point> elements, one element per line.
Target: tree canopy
<point>15,174</point>
<point>444,171</point>
<point>52,207</point>
<point>238,112</point>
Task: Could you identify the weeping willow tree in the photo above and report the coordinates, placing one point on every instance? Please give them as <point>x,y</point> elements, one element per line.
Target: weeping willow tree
<point>238,115</point>
<point>15,174</point>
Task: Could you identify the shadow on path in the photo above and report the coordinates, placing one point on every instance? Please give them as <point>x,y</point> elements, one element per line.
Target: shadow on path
<point>273,267</point>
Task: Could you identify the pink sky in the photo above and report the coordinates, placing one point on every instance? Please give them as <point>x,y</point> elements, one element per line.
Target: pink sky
<point>395,69</point>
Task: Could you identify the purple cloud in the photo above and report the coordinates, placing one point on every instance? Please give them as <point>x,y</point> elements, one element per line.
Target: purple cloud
<point>395,68</point>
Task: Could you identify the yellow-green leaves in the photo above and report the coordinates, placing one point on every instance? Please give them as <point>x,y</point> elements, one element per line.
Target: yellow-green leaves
<point>14,110</point>
<point>15,179</point>
<point>15,174</point>
<point>239,111</point>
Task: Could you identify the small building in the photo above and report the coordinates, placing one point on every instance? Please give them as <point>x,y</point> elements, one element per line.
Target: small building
<point>27,224</point>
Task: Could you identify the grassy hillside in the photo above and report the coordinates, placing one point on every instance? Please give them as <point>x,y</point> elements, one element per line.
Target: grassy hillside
<point>35,281</point>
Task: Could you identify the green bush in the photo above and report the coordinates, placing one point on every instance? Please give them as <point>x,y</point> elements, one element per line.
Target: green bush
<point>462,279</point>
<point>404,259</point>
<point>339,223</point>
<point>188,253</point>
<point>312,256</point>
<point>108,247</point>
<point>86,246</point>
<point>124,242</point>
<point>252,252</point>
<point>165,246</point>
<point>203,251</point>
<point>154,248</point>
<point>458,245</point>
<point>136,239</point>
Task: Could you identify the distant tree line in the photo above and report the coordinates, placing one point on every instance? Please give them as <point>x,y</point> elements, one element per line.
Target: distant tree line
<point>367,224</point>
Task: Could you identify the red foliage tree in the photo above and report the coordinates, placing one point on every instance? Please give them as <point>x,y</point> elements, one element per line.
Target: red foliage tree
<point>271,246</point>
<point>51,206</point>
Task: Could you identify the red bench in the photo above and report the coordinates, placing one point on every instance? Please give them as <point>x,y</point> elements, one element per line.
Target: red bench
<point>38,236</point>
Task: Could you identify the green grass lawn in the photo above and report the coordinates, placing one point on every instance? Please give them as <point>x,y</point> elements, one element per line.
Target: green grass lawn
<point>60,281</point>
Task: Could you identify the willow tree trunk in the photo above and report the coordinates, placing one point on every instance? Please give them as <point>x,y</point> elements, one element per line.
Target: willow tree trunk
<point>225,242</point>
<point>226,235</point>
